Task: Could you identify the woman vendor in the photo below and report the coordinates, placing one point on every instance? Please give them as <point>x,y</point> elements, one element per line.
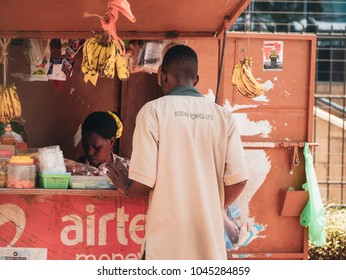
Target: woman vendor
<point>99,133</point>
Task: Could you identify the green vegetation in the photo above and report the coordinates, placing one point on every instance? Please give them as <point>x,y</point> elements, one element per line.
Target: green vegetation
<point>335,247</point>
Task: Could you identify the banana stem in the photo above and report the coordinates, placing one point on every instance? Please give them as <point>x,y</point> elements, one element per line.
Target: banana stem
<point>5,68</point>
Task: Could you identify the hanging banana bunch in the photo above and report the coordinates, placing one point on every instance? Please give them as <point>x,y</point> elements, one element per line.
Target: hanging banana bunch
<point>244,81</point>
<point>101,58</point>
<point>10,107</point>
<point>105,52</point>
<point>122,65</point>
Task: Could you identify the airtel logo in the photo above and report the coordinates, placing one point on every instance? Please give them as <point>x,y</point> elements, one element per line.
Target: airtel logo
<point>14,214</point>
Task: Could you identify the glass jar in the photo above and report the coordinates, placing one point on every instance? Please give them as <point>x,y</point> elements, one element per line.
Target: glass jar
<point>4,161</point>
<point>7,138</point>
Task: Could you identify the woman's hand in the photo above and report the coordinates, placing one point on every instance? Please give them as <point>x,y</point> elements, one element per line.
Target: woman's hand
<point>118,173</point>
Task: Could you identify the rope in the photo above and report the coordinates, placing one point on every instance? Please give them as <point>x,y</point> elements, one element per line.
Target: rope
<point>4,56</point>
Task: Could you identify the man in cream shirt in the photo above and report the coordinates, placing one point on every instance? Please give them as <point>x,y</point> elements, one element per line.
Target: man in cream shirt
<point>188,157</point>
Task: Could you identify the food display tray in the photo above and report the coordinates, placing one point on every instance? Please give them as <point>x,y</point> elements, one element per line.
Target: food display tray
<point>91,182</point>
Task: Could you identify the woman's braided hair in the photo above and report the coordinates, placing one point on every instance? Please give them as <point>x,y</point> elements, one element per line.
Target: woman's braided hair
<point>106,124</point>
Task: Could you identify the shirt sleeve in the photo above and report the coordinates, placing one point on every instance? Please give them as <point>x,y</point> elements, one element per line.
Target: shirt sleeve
<point>143,163</point>
<point>236,169</point>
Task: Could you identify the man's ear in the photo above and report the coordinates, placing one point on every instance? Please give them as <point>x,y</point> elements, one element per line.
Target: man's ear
<point>196,81</point>
<point>159,76</point>
<point>164,78</point>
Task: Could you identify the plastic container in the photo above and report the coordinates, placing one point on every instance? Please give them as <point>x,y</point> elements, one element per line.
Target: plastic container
<point>91,182</point>
<point>48,150</point>
<point>8,138</point>
<point>4,161</point>
<point>54,180</point>
<point>51,160</point>
<point>21,173</point>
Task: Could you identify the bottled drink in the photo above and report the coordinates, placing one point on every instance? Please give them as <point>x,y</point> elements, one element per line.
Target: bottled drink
<point>7,138</point>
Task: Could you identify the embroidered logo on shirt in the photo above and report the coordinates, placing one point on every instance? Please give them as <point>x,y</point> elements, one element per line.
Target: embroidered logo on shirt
<point>193,116</point>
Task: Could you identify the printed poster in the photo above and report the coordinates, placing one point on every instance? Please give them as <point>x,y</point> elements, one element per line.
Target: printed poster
<point>273,55</point>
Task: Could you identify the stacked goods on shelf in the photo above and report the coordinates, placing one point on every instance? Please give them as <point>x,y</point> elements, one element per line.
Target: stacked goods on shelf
<point>52,171</point>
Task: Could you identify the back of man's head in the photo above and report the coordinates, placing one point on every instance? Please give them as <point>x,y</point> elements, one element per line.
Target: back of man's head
<point>181,61</point>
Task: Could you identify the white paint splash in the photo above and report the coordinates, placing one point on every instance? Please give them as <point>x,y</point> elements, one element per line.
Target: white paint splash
<point>250,128</point>
<point>268,85</point>
<point>236,107</point>
<point>247,127</point>
<point>261,98</point>
<point>258,144</point>
<point>259,166</point>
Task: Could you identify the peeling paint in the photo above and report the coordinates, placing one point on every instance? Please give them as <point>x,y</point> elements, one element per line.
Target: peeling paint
<point>259,166</point>
<point>247,127</point>
<point>262,98</point>
<point>250,128</point>
<point>268,85</point>
<point>236,107</point>
<point>259,144</point>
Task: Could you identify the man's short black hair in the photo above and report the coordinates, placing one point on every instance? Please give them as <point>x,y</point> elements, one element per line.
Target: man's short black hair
<point>181,61</point>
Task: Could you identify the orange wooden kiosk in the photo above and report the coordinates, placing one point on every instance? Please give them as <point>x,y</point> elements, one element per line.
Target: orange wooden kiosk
<point>101,224</point>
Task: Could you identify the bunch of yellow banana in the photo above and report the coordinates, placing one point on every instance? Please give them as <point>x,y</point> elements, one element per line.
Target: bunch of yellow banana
<point>122,64</point>
<point>10,106</point>
<point>100,57</point>
<point>244,81</point>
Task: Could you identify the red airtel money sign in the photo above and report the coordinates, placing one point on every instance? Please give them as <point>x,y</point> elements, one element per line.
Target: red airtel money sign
<point>74,226</point>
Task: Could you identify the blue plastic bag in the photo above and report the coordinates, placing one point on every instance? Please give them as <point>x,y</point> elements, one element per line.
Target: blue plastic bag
<point>313,215</point>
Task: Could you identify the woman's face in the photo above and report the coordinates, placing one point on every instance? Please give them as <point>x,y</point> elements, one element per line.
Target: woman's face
<point>96,148</point>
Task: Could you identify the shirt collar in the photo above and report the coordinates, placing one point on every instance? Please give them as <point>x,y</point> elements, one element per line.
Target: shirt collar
<point>185,91</point>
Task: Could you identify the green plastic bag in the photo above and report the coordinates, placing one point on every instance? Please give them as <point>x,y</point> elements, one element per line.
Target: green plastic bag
<point>313,215</point>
